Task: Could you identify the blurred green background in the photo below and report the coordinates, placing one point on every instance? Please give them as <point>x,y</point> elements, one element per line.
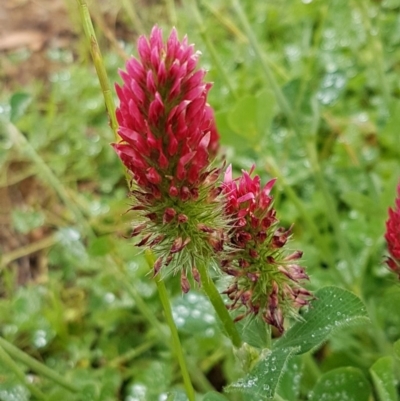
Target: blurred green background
<point>309,91</point>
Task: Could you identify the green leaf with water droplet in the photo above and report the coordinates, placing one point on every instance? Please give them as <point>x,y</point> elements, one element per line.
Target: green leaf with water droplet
<point>382,372</point>
<point>213,396</point>
<point>10,391</point>
<point>177,396</point>
<point>254,332</point>
<point>194,314</point>
<point>333,308</point>
<point>289,385</point>
<point>262,381</point>
<point>341,384</point>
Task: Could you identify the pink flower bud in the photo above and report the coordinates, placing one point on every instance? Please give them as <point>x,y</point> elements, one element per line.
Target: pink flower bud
<point>185,285</point>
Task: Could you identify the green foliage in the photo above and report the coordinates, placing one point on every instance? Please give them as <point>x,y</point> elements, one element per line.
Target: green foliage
<point>333,309</point>
<point>382,372</point>
<point>342,384</point>
<point>77,296</point>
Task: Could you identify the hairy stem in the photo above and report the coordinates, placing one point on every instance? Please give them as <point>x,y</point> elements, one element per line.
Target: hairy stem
<point>176,343</point>
<point>219,306</point>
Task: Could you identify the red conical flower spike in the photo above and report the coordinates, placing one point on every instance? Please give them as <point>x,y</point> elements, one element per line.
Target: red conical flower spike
<point>392,236</point>
<point>167,127</point>
<point>266,280</point>
<point>169,139</point>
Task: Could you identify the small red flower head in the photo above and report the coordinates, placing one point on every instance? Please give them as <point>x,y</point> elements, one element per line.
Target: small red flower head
<point>169,139</point>
<point>392,236</point>
<point>265,280</point>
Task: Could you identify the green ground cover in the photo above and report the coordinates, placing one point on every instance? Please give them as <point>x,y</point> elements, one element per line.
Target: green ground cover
<point>309,91</point>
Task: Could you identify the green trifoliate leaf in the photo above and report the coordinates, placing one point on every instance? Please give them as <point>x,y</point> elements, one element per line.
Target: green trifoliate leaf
<point>252,116</point>
<point>342,384</point>
<point>333,308</point>
<point>382,372</point>
<point>262,381</point>
<point>194,314</point>
<point>289,385</point>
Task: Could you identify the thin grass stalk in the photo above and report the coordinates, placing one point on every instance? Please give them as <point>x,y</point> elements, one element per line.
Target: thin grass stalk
<point>132,354</point>
<point>210,47</point>
<point>7,361</point>
<point>26,250</point>
<point>280,97</point>
<point>295,199</point>
<point>43,370</point>
<point>99,65</point>
<point>173,19</point>
<point>176,343</point>
<point>376,47</point>
<point>332,211</point>
<point>129,7</point>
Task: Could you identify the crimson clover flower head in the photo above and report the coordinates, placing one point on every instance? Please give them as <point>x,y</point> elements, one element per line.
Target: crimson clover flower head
<point>168,142</point>
<point>266,279</point>
<point>167,128</point>
<point>392,236</point>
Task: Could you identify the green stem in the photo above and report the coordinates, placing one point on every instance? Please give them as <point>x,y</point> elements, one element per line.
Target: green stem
<point>376,47</point>
<point>7,361</point>
<point>44,243</point>
<point>129,7</point>
<point>219,306</point>
<point>132,354</point>
<point>280,97</point>
<point>99,65</point>
<point>36,366</point>
<point>171,12</point>
<point>320,241</point>
<point>210,47</point>
<point>176,343</point>
<point>333,213</point>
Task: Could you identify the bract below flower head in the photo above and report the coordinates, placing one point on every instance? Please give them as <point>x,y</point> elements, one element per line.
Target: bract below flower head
<point>392,236</point>
<point>266,280</point>
<point>169,140</point>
